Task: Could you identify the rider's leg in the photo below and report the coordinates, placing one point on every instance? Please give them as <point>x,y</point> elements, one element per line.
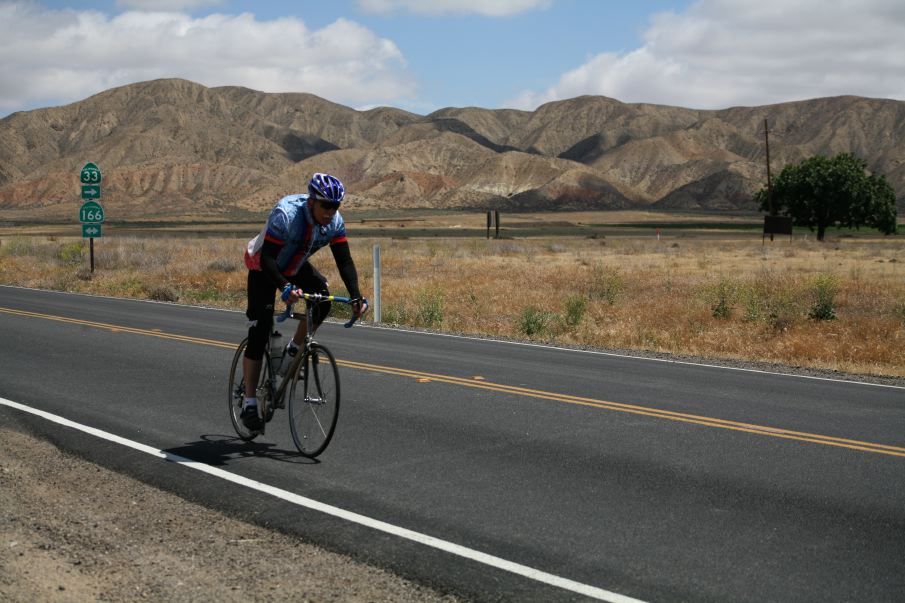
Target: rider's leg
<point>300,333</point>
<point>260,313</point>
<point>310,280</point>
<point>252,372</point>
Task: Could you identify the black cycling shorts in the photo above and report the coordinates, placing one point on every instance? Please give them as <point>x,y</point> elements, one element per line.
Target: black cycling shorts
<point>261,295</point>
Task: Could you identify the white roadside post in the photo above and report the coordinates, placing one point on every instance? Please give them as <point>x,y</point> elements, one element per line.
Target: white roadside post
<point>376,283</point>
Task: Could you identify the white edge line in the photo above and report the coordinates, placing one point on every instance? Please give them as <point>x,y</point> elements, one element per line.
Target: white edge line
<point>626,356</point>
<point>368,325</point>
<point>302,501</point>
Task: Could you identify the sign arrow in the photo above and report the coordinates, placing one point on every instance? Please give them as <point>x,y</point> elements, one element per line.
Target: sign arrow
<point>91,191</point>
<point>92,230</point>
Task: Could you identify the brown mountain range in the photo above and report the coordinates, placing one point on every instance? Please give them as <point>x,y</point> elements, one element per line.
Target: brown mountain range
<point>176,149</point>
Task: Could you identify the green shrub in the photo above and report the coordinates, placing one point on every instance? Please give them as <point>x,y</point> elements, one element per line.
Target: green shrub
<point>899,311</point>
<point>775,302</point>
<point>754,301</point>
<point>430,307</point>
<point>19,247</point>
<point>128,285</point>
<point>397,314</point>
<point>606,284</point>
<point>576,305</point>
<point>723,297</point>
<point>783,310</point>
<point>823,292</point>
<point>534,322</point>
<point>70,253</point>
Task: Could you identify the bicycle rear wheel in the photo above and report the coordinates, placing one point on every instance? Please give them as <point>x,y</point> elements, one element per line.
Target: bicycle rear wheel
<point>237,390</point>
<point>314,401</point>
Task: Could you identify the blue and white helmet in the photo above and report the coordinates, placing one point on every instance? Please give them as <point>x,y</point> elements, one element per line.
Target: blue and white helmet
<point>324,187</point>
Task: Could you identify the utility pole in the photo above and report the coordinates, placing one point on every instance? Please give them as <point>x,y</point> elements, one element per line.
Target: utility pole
<point>769,182</point>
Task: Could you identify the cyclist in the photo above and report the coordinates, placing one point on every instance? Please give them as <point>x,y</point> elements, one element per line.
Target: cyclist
<point>278,259</point>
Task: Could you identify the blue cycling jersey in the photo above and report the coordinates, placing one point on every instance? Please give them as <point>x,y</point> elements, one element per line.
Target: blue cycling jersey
<point>292,227</point>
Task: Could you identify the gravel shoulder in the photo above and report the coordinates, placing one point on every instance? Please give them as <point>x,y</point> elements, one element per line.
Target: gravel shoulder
<point>71,530</point>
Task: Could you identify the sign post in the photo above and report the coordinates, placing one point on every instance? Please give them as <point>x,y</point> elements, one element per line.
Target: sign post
<point>91,214</point>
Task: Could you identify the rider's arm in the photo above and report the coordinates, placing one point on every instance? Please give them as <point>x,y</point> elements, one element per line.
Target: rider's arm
<point>269,253</point>
<point>346,267</point>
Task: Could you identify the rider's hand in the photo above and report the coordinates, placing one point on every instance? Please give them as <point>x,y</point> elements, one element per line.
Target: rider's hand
<point>359,307</point>
<point>290,294</point>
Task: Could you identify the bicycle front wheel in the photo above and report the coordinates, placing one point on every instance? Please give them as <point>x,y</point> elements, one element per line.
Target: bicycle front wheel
<point>314,401</point>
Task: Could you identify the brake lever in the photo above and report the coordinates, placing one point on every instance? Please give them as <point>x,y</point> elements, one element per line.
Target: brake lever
<point>286,313</point>
<point>354,318</point>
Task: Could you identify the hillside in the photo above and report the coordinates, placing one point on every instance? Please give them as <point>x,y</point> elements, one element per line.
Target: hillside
<point>176,149</point>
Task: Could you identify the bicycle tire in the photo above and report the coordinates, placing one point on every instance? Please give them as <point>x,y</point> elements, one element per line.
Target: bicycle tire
<point>314,410</point>
<point>236,393</point>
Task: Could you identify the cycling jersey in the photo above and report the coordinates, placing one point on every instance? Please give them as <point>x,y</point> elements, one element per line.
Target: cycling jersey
<point>292,227</point>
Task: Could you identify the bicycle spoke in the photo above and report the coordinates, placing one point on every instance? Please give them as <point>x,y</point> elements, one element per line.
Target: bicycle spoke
<point>317,420</point>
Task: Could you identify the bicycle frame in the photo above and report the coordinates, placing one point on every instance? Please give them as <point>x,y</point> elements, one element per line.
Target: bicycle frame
<point>280,392</point>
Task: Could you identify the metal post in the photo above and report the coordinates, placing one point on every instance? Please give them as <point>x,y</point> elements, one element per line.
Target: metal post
<point>496,215</point>
<point>377,283</point>
<point>489,222</point>
<point>91,245</point>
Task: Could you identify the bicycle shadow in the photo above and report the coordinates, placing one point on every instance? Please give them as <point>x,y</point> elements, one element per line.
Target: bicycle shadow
<point>220,450</point>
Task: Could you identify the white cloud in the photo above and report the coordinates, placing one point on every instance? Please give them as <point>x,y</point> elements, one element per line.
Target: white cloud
<point>487,8</point>
<point>60,56</point>
<point>722,53</point>
<point>166,5</point>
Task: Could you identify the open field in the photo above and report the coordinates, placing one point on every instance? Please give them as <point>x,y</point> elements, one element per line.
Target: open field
<point>447,223</point>
<point>712,290</point>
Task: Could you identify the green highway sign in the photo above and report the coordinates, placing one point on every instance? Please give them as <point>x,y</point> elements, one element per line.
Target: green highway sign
<point>90,174</point>
<point>91,231</point>
<point>91,191</point>
<point>91,212</point>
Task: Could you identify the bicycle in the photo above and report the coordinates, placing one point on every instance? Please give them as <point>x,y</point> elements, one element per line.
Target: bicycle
<point>312,383</point>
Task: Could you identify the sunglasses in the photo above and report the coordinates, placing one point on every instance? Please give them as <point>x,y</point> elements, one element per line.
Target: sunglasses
<point>327,204</point>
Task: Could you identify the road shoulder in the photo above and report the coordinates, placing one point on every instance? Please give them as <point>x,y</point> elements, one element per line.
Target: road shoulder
<point>72,530</point>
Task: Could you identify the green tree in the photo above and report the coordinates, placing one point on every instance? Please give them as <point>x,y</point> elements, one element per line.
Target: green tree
<point>821,192</point>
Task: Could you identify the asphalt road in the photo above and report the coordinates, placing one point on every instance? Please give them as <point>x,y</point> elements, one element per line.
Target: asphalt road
<point>655,480</point>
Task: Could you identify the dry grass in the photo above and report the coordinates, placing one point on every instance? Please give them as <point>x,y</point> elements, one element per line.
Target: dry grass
<point>726,298</point>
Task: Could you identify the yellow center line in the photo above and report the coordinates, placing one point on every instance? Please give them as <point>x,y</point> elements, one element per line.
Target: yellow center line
<point>520,391</point>
<point>120,328</point>
<point>642,410</point>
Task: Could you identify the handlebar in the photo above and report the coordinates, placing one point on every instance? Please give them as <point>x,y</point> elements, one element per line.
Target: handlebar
<point>318,298</point>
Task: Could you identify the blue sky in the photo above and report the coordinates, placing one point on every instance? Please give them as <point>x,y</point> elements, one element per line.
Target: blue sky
<point>422,55</point>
